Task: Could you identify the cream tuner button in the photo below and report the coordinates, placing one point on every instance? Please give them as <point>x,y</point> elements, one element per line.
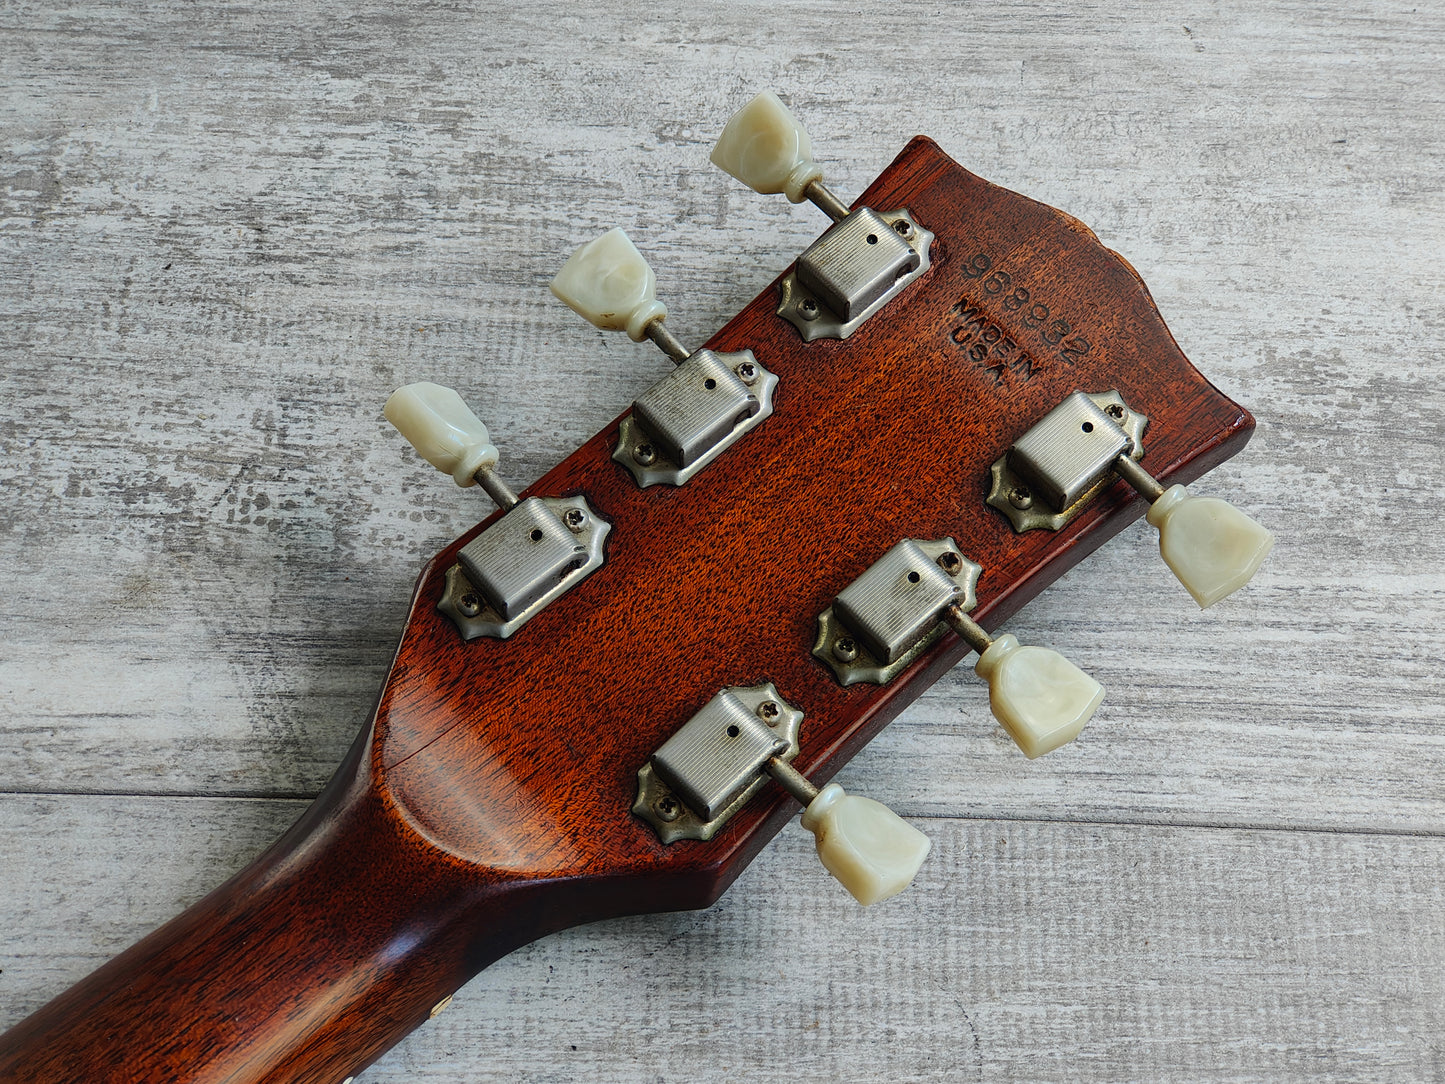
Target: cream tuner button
<point>1211,546</point>
<point>765,147</point>
<point>440,426</point>
<point>872,851</point>
<point>610,285</point>
<point>1041,698</point>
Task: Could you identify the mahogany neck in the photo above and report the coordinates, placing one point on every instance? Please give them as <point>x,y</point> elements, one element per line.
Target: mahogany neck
<point>306,966</point>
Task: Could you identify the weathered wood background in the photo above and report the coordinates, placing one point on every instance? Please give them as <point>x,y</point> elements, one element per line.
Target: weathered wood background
<point>228,231</point>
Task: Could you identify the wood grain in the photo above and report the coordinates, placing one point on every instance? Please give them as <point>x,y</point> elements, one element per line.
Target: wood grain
<point>207,535</point>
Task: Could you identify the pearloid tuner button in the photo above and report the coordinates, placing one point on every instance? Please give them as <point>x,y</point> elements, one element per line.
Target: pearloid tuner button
<point>872,851</point>
<point>766,147</point>
<point>1211,546</point>
<point>609,284</point>
<point>439,426</point>
<point>1041,698</point>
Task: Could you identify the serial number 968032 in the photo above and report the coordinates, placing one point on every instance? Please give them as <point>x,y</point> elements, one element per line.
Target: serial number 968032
<point>1020,304</point>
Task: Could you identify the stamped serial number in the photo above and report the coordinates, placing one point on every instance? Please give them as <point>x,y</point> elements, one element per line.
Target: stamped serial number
<point>991,346</point>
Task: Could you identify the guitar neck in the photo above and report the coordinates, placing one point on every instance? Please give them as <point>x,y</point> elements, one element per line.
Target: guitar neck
<point>306,966</point>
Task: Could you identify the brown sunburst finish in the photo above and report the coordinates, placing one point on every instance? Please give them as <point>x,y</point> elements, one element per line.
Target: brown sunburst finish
<point>488,801</point>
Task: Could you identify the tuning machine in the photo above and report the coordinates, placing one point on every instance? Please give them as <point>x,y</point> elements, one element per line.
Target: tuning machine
<point>725,753</point>
<point>539,549</point>
<point>864,260</point>
<point>695,413</point>
<point>901,605</point>
<point>1076,450</point>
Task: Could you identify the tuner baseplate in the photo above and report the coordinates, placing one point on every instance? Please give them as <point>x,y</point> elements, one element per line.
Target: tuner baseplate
<point>1027,510</point>
<point>515,591</point>
<point>854,653</point>
<point>688,418</point>
<point>837,267</point>
<point>673,818</point>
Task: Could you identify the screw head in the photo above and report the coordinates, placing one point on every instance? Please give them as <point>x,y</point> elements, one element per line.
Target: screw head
<point>769,712</point>
<point>808,309</point>
<point>470,604</point>
<point>575,519</point>
<point>1115,411</point>
<point>950,562</point>
<point>1020,497</point>
<point>667,808</point>
<point>644,455</point>
<point>844,649</point>
<point>903,228</point>
<point>747,372</point>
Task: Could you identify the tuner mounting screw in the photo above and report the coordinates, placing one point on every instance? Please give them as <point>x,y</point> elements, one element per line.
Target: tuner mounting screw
<point>950,562</point>
<point>644,454</point>
<point>1020,497</point>
<point>903,228</point>
<point>575,519</point>
<point>747,372</point>
<point>667,808</point>
<point>470,604</point>
<point>808,309</point>
<point>769,712</point>
<point>844,649</point>
<point>1115,411</point>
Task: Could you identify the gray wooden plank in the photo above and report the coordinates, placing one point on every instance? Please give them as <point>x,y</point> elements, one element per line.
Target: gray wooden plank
<point>209,533</point>
<point>1027,951</point>
<point>227,233</point>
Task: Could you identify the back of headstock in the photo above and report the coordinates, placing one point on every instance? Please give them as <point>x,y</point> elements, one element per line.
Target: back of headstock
<point>607,695</point>
<point>891,432</point>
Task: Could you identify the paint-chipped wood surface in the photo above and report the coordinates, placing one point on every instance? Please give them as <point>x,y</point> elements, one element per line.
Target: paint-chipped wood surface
<point>226,234</point>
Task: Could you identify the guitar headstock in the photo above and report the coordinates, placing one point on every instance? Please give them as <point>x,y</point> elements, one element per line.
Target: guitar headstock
<point>792,535</point>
